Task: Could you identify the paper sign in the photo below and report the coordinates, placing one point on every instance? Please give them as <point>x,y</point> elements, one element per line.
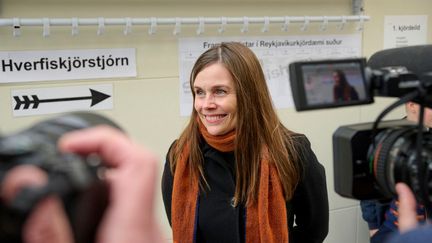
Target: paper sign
<point>406,30</point>
<point>29,66</point>
<point>275,53</point>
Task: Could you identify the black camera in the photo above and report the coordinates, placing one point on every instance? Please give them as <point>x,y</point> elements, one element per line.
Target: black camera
<point>370,158</point>
<point>77,180</point>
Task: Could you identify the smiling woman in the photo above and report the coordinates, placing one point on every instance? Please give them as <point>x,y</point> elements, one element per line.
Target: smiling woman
<point>236,174</point>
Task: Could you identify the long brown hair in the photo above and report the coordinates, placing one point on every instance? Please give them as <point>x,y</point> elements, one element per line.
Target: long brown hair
<point>257,126</point>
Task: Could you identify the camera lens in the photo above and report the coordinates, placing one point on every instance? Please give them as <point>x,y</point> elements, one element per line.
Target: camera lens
<point>394,159</point>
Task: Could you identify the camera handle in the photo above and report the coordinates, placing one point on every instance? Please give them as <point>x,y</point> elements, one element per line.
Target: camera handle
<point>408,97</point>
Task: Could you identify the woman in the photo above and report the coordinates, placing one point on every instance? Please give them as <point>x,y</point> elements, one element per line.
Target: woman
<point>342,90</point>
<point>236,174</point>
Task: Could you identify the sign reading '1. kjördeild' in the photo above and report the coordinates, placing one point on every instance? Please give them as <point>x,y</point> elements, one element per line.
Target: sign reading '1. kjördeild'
<point>28,66</point>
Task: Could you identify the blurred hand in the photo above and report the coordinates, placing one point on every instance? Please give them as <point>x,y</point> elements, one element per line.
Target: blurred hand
<point>48,222</point>
<point>131,178</point>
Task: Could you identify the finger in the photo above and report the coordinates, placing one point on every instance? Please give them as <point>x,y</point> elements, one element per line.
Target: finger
<point>407,208</point>
<point>111,144</point>
<point>19,177</point>
<point>372,232</point>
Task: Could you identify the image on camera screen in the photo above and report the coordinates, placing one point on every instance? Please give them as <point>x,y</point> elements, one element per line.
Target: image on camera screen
<point>333,83</point>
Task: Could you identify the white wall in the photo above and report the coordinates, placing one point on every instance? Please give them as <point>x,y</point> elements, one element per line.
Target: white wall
<point>156,120</point>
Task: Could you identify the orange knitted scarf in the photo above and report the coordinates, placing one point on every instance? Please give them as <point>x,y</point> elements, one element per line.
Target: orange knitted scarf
<point>266,219</point>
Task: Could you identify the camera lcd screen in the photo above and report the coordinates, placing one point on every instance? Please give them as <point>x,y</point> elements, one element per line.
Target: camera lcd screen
<point>329,83</point>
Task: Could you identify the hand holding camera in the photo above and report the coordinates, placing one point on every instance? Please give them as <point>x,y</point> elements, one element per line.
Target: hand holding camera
<point>88,189</point>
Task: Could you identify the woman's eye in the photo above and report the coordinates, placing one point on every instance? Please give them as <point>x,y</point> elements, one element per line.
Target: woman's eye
<point>220,92</point>
<point>199,92</point>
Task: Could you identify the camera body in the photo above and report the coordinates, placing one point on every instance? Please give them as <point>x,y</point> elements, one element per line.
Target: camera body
<point>370,158</point>
<point>75,179</point>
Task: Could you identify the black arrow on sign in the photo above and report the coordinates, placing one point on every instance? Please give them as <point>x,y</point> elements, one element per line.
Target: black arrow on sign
<point>95,98</point>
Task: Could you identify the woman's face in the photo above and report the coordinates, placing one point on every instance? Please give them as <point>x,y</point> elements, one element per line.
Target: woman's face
<point>215,99</point>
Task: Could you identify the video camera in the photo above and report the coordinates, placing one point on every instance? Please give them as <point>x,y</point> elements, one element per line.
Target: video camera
<point>370,158</point>
<point>75,179</point>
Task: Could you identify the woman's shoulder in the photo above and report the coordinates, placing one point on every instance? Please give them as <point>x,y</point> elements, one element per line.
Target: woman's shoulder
<point>302,146</point>
<point>299,140</point>
<point>170,150</point>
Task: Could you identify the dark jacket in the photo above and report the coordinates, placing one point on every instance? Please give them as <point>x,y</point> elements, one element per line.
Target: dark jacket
<point>218,221</point>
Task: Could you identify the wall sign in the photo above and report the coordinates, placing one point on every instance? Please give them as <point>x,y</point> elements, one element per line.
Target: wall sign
<point>29,66</point>
<point>405,30</point>
<point>27,102</point>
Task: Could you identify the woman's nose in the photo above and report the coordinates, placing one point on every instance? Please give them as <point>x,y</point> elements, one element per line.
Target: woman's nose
<point>209,102</point>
